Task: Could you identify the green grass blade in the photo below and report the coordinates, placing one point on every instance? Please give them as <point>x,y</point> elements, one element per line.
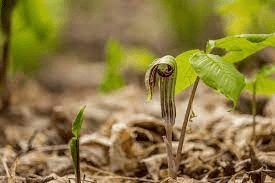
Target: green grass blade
<point>73,150</point>
<point>219,75</point>
<point>77,124</point>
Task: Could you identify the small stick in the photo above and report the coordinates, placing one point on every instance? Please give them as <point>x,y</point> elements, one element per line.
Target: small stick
<point>184,125</point>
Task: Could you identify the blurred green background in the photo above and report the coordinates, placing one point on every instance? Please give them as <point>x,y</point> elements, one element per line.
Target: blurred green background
<point>124,35</point>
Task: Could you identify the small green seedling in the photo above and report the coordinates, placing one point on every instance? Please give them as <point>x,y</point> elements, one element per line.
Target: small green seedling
<point>218,72</point>
<point>263,83</point>
<point>74,144</point>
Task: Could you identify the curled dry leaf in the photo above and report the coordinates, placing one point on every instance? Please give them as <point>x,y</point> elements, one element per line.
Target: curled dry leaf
<point>166,69</point>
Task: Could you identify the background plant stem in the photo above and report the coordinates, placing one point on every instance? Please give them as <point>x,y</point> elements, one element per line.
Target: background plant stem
<point>6,13</point>
<point>254,110</point>
<point>184,125</point>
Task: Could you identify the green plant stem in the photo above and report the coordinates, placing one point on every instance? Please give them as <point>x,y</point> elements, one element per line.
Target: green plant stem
<point>254,110</point>
<point>77,168</point>
<point>184,125</point>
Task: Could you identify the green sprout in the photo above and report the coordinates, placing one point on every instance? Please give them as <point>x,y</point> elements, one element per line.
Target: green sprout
<point>74,144</point>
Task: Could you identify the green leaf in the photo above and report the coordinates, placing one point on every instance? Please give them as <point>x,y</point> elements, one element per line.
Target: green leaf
<point>247,16</point>
<point>186,74</point>
<point>113,79</point>
<point>138,58</point>
<point>33,34</point>
<point>114,54</point>
<point>37,17</point>
<point>25,51</point>
<point>265,83</point>
<point>219,75</point>
<point>241,46</point>
<point>268,70</point>
<point>77,124</point>
<point>239,14</point>
<point>73,149</point>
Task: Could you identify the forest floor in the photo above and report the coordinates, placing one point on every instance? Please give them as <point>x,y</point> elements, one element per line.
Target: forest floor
<point>121,140</point>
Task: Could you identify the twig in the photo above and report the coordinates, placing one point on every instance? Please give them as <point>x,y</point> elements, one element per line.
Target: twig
<point>184,125</point>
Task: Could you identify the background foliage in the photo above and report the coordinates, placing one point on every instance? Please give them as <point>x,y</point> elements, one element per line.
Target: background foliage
<point>34,32</point>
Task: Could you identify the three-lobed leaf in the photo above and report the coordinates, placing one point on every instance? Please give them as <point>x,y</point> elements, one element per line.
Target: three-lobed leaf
<point>219,75</point>
<point>77,124</point>
<point>186,73</point>
<point>241,46</point>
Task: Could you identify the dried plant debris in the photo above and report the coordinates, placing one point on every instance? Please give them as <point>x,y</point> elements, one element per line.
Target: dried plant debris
<point>128,146</point>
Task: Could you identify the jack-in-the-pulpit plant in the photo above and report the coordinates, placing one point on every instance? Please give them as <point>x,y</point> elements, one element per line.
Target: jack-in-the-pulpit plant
<point>165,71</point>
<point>218,72</point>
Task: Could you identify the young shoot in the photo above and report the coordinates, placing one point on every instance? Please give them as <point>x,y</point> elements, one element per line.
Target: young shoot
<point>74,144</point>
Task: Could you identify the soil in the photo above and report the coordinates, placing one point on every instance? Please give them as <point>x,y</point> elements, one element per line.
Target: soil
<point>121,140</point>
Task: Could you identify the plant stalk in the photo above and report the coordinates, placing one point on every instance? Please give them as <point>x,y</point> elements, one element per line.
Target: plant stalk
<point>5,93</point>
<point>6,13</point>
<point>170,158</point>
<point>184,125</point>
<point>77,168</point>
<point>254,108</point>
